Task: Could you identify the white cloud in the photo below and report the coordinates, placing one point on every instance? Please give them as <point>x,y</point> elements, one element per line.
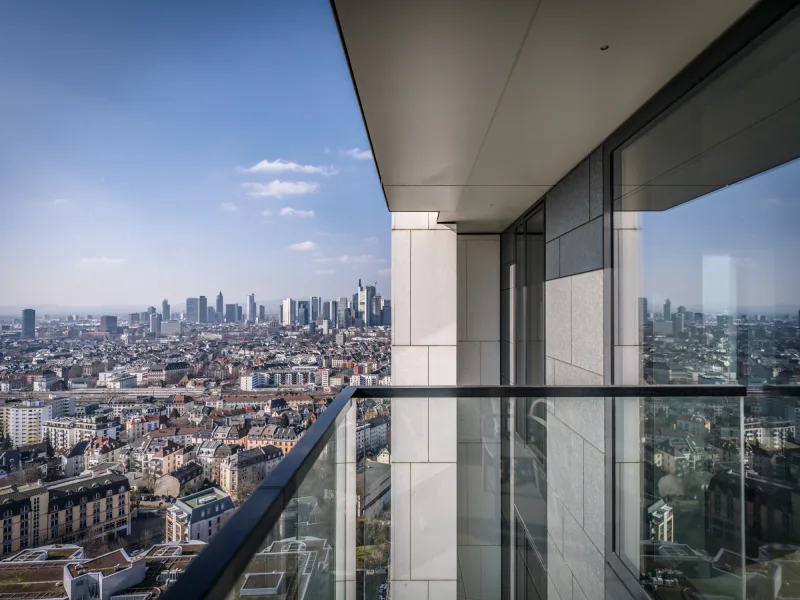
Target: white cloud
<point>101,260</point>
<point>371,240</point>
<point>325,272</point>
<point>60,201</point>
<point>284,166</point>
<point>362,259</point>
<point>292,212</point>
<point>266,213</point>
<point>385,272</point>
<point>346,259</point>
<point>304,246</point>
<point>278,189</point>
<point>228,206</point>
<point>358,153</point>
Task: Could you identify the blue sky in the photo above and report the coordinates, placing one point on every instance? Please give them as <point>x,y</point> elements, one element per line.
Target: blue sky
<point>173,149</point>
<point>735,249</point>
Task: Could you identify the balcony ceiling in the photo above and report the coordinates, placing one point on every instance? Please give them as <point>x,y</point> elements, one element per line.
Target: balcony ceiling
<point>476,107</point>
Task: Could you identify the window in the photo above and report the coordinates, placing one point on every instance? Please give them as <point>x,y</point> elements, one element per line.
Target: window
<point>706,214</point>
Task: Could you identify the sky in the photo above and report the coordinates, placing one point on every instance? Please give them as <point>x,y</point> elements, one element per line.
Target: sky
<point>174,149</point>
<point>733,250</point>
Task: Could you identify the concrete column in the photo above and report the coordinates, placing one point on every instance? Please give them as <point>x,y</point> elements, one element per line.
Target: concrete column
<point>478,418</point>
<point>424,449</point>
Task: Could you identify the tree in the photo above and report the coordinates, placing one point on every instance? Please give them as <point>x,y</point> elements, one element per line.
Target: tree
<point>284,420</point>
<point>309,423</point>
<point>174,414</point>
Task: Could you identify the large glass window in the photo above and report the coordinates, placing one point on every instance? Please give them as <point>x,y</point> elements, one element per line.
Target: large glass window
<point>524,508</point>
<point>707,209</point>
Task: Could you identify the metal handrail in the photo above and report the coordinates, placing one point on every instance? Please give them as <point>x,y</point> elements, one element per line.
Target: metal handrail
<point>214,572</point>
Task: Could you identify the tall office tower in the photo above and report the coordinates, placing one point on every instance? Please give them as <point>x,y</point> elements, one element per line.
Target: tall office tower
<point>133,319</point>
<point>108,324</point>
<point>682,310</point>
<point>365,296</point>
<point>667,310</point>
<point>212,315</point>
<point>202,309</point>
<point>303,312</point>
<point>643,314</point>
<point>151,310</point>
<point>262,313</point>
<point>144,318</point>
<point>354,304</point>
<point>155,323</point>
<point>251,308</point>
<point>230,313</point>
<point>334,308</point>
<point>386,313</point>
<point>376,310</point>
<point>220,305</point>
<point>165,309</point>
<point>28,324</point>
<point>315,308</point>
<point>238,313</point>
<point>288,309</point>
<point>341,313</point>
<point>192,311</point>
<point>326,310</point>
<point>678,323</point>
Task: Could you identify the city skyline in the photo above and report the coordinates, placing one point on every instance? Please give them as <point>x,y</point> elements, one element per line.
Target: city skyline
<point>197,148</point>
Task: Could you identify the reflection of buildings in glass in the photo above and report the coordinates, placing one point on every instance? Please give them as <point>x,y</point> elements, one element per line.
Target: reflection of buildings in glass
<point>660,522</point>
<point>294,567</point>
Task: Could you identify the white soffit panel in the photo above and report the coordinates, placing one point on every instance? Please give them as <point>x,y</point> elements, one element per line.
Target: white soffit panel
<point>447,106</point>
<point>566,95</point>
<point>429,75</point>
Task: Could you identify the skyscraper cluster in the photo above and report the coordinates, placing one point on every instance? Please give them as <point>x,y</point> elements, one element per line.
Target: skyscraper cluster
<point>198,311</point>
<point>364,309</point>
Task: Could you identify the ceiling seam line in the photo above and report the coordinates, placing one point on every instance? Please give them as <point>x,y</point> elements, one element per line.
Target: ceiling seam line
<point>502,93</point>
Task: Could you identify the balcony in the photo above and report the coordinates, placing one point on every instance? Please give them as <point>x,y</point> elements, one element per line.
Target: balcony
<point>660,499</point>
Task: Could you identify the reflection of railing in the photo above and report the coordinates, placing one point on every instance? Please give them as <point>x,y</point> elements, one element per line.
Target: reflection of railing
<point>216,571</point>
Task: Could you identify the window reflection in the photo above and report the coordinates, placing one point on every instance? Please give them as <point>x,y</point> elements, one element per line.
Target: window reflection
<point>706,235</point>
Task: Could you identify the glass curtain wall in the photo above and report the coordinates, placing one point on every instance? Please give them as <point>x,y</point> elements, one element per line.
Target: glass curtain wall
<point>707,291</point>
<point>524,447</point>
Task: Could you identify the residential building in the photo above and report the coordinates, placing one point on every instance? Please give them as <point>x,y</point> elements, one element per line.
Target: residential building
<point>198,516</point>
<point>137,427</point>
<point>74,509</point>
<point>241,473</point>
<point>106,450</point>
<point>44,382</point>
<point>74,461</point>
<point>64,432</point>
<point>186,476</point>
<point>24,421</point>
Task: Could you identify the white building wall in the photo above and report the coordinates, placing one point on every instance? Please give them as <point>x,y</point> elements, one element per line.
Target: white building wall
<point>424,448</point>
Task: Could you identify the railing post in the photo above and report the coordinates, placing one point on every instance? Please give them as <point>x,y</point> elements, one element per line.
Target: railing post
<point>345,543</point>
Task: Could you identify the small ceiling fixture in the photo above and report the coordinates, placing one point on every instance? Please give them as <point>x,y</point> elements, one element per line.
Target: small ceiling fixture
<point>604,47</point>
